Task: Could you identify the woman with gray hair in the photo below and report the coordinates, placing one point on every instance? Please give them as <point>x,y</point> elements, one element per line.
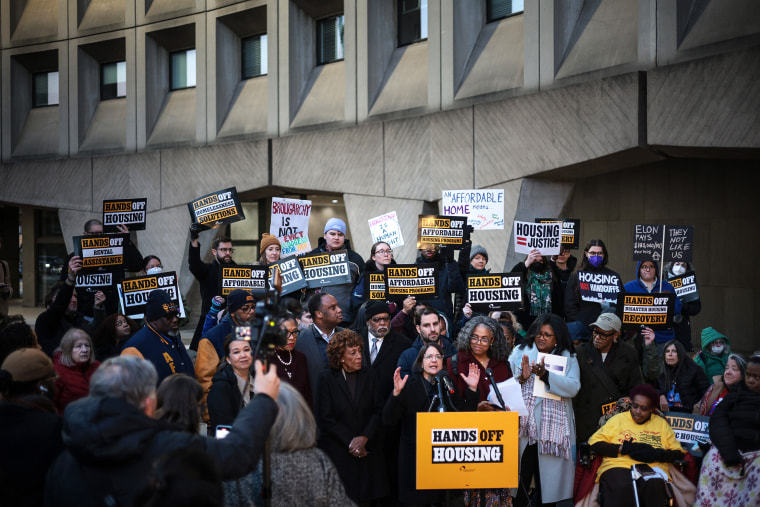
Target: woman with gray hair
<point>731,380</point>
<point>480,342</point>
<point>74,361</point>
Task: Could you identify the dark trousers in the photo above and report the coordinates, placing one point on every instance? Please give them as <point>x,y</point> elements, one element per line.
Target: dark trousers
<point>616,489</point>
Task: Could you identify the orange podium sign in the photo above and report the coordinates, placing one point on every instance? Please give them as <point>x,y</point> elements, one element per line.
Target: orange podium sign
<point>467,450</point>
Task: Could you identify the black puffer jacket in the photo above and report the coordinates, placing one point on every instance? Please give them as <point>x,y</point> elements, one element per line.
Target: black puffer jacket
<point>224,399</point>
<point>735,425</point>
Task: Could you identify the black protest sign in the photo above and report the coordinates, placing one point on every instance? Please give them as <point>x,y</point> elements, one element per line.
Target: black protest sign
<point>291,275</point>
<point>571,230</point>
<point>129,212</point>
<point>494,291</point>
<point>323,269</point>
<point>100,252</point>
<point>418,280</point>
<point>685,287</point>
<point>374,286</point>
<point>663,243</point>
<point>689,428</point>
<point>599,287</point>
<point>222,207</point>
<point>651,310</point>
<point>441,230</point>
<point>250,278</point>
<point>104,281</point>
<point>134,292</point>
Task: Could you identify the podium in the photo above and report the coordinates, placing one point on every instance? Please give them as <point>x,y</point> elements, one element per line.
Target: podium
<point>467,450</point>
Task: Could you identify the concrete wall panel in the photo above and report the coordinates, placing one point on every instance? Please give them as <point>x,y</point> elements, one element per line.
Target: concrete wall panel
<point>127,176</point>
<point>20,183</point>
<point>406,81</point>
<point>406,145</point>
<point>324,99</point>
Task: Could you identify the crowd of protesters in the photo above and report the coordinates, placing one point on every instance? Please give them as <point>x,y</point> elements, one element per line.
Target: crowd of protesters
<point>99,409</point>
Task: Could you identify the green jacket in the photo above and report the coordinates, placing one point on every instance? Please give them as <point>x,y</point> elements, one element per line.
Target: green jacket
<point>709,362</point>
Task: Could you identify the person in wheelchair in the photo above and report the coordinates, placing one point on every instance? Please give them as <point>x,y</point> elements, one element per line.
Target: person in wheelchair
<point>634,438</point>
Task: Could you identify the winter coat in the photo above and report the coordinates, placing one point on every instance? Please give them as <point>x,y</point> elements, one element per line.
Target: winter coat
<point>207,274</point>
<point>735,425</point>
<point>603,382</point>
<point>501,372</point>
<point>578,309</point>
<point>224,399</point>
<point>523,315</point>
<point>687,381</point>
<point>168,354</point>
<point>73,382</point>
<point>636,286</point>
<point>682,326</point>
<point>357,298</point>
<point>709,362</point>
<point>343,292</point>
<point>111,445</point>
<point>562,276</point>
<point>53,323</point>
<point>309,344</point>
<point>449,282</point>
<point>385,363</point>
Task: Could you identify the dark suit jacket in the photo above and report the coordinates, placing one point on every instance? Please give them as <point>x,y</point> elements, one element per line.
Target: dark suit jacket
<point>317,363</point>
<point>387,358</point>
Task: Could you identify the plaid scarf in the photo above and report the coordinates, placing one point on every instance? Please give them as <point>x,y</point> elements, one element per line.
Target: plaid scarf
<point>539,288</point>
<point>555,426</point>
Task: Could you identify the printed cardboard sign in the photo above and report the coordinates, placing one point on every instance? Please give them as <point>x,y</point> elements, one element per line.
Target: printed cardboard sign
<point>441,230</point>
<point>374,286</point>
<point>134,292</point>
<point>250,278</point>
<point>106,251</point>
<point>686,287</point>
<point>418,280</point>
<point>467,450</point>
<point>599,287</point>
<point>130,212</point>
<point>291,274</point>
<point>689,428</point>
<point>663,243</point>
<point>290,224</point>
<point>545,237</point>
<point>104,281</point>
<point>386,228</point>
<point>484,208</point>
<point>571,230</point>
<point>222,207</point>
<point>650,310</point>
<point>323,269</point>
<point>494,291</point>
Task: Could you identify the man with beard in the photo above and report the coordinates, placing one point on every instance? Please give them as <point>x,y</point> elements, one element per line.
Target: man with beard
<point>429,328</point>
<point>449,278</point>
<point>153,342</point>
<point>61,313</point>
<point>312,342</point>
<point>382,346</point>
<point>207,273</point>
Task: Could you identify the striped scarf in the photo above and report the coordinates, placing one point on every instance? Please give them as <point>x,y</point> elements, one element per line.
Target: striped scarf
<point>555,426</point>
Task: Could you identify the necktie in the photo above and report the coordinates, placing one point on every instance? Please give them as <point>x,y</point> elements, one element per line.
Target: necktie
<point>373,352</point>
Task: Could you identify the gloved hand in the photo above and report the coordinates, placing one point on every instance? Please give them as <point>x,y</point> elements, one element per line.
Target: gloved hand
<point>195,230</point>
<point>446,253</point>
<point>217,303</point>
<point>630,447</point>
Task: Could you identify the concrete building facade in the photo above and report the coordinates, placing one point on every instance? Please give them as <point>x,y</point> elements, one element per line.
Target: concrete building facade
<point>615,112</point>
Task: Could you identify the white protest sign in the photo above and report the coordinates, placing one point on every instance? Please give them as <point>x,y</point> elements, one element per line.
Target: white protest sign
<point>387,229</point>
<point>484,208</point>
<point>546,237</point>
<point>290,224</point>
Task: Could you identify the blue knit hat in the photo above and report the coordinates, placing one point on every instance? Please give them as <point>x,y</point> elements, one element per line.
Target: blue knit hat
<point>335,224</point>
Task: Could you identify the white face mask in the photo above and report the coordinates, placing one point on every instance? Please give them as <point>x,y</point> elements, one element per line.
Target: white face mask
<point>679,270</point>
<point>717,349</point>
<point>154,271</point>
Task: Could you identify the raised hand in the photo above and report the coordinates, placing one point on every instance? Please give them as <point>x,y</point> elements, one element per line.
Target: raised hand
<point>398,382</point>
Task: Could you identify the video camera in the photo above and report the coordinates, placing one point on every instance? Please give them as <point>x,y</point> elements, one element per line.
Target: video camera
<point>263,332</point>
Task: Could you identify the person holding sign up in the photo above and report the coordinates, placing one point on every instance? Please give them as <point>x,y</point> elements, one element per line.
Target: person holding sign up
<point>449,279</point>
<point>593,286</point>
<point>541,288</point>
<point>647,282</point>
<point>691,305</point>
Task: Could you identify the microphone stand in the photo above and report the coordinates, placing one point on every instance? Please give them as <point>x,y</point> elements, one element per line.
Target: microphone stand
<point>489,374</point>
<point>442,407</point>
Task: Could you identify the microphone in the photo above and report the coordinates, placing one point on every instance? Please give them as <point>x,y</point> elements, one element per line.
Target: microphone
<point>439,382</point>
<point>443,376</point>
<point>489,374</point>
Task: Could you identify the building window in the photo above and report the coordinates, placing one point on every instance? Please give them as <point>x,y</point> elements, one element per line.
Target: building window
<point>254,56</point>
<point>412,21</point>
<point>330,39</point>
<point>45,89</point>
<point>182,69</point>
<point>500,9</point>
<point>113,80</point>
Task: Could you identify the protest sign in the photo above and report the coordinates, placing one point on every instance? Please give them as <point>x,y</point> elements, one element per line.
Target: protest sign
<point>323,269</point>
<point>686,287</point>
<point>134,292</point>
<point>290,224</point>
<point>546,237</point>
<point>104,281</point>
<point>441,230</point>
<point>386,228</point>
<point>599,287</point>
<point>494,291</point>
<point>484,208</point>
<point>290,273</point>
<point>250,278</point>
<point>130,212</point>
<point>222,207</point>
<point>571,230</point>
<point>650,310</point>
<point>689,428</point>
<point>97,252</point>
<point>374,286</point>
<point>663,243</point>
<point>419,280</point>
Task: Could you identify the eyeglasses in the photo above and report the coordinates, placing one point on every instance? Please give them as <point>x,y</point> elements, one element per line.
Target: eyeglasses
<point>437,357</point>
<point>548,336</point>
<point>599,253</point>
<point>247,308</point>
<point>383,252</point>
<point>377,320</point>
<point>480,339</point>
<point>230,250</point>
<point>647,267</point>
<point>294,334</point>
<point>606,336</point>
